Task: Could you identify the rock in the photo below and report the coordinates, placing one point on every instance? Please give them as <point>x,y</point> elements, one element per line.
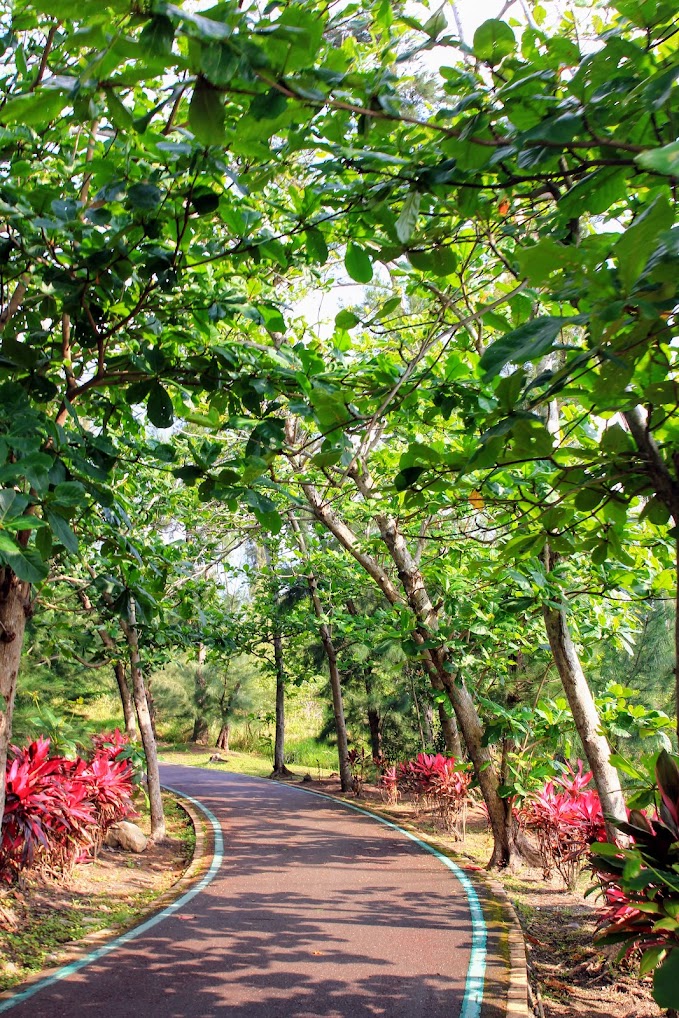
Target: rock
<point>307,779</point>
<point>127,836</point>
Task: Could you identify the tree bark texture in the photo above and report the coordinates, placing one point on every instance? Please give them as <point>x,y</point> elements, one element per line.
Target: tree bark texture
<point>223,737</point>
<point>586,717</point>
<point>428,724</point>
<point>148,738</point>
<point>451,734</point>
<point>15,607</point>
<point>126,701</point>
<point>123,688</point>
<point>331,654</point>
<point>201,729</point>
<point>666,486</point>
<point>279,768</point>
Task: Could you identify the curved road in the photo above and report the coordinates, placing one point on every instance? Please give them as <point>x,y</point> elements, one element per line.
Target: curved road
<point>315,911</point>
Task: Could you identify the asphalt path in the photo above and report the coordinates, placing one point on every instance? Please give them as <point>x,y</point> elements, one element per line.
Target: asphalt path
<point>315,911</point>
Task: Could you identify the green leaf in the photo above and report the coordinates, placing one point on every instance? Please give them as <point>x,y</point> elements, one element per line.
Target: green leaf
<point>118,112</point>
<point>204,200</point>
<point>661,160</point>
<point>206,113</point>
<point>538,261</point>
<point>358,264</point>
<point>346,319</point>
<point>441,261</point>
<point>218,63</point>
<point>159,407</point>
<point>316,247</point>
<point>62,531</point>
<point>640,239</point>
<point>25,562</point>
<point>666,981</point>
<point>595,193</point>
<point>268,105</point>
<point>206,28</point>
<point>650,959</point>
<point>144,197</point>
<point>158,35</point>
<point>493,41</point>
<point>528,342</point>
<point>436,24</point>
<point>68,494</point>
<point>39,107</point>
<point>407,221</point>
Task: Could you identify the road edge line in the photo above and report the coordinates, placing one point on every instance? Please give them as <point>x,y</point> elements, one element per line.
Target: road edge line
<point>476,970</point>
<point>169,901</point>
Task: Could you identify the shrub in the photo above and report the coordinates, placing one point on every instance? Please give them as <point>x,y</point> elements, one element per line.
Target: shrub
<point>566,817</point>
<point>435,779</point>
<point>640,887</point>
<point>58,810</point>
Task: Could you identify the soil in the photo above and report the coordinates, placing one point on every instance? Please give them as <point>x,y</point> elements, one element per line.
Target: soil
<point>570,976</point>
<point>42,918</point>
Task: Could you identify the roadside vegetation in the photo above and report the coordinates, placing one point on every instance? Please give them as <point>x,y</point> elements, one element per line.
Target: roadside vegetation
<point>339,421</point>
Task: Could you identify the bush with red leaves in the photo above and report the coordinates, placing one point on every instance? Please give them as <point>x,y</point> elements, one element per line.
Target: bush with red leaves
<point>567,818</point>
<point>437,780</point>
<point>57,810</point>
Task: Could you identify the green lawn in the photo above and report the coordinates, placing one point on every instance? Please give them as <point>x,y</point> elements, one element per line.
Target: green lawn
<point>254,764</point>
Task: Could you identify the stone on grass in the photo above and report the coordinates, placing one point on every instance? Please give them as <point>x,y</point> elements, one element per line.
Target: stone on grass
<point>127,836</point>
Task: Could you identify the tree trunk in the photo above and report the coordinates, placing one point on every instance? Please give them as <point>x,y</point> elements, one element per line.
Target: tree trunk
<point>375,728</point>
<point>451,735</point>
<point>121,679</point>
<point>126,700</point>
<point>279,768</point>
<point>666,486</point>
<point>428,724</point>
<point>15,607</point>
<point>586,717</point>
<point>508,843</point>
<point>331,654</point>
<point>145,726</point>
<point>201,729</point>
<point>337,709</point>
<point>151,706</point>
<point>223,737</point>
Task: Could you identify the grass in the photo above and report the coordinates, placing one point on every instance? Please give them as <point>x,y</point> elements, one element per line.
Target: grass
<point>257,765</point>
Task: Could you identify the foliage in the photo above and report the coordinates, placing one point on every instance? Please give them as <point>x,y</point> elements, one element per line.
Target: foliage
<point>437,781</point>
<point>567,818</point>
<point>58,810</point>
<point>640,886</point>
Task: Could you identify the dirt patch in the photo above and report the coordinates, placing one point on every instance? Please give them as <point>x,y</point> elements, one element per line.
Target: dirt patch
<point>570,976</point>
<point>42,918</point>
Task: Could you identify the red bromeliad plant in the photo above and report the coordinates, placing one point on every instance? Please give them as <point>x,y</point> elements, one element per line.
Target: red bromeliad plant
<point>640,886</point>
<point>566,817</point>
<point>58,810</point>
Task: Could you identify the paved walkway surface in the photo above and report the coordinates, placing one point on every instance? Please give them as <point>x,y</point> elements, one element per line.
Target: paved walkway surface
<point>316,911</point>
